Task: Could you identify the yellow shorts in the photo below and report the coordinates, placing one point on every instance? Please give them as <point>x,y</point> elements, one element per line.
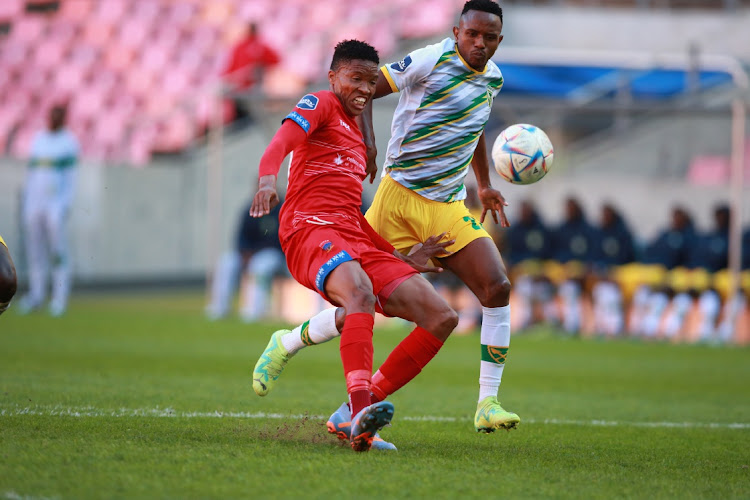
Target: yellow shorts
<point>2,241</point>
<point>405,218</point>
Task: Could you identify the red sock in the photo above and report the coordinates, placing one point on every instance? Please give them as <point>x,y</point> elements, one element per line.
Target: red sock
<point>356,355</point>
<point>404,363</point>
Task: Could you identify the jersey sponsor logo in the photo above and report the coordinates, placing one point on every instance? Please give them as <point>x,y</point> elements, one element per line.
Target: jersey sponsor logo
<point>308,102</point>
<point>345,125</point>
<point>299,120</point>
<point>490,97</point>
<point>402,64</point>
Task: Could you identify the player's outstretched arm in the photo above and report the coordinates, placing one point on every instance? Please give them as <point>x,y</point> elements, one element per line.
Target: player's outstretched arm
<point>492,200</point>
<point>289,136</point>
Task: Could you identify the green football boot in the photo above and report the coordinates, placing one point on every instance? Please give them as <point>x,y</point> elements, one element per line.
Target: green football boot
<point>490,416</point>
<point>271,364</point>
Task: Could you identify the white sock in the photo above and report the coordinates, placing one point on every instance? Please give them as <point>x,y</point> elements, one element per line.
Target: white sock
<point>317,330</point>
<point>495,338</point>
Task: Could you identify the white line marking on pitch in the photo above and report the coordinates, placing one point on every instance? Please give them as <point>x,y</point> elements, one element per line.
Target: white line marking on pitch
<point>84,412</point>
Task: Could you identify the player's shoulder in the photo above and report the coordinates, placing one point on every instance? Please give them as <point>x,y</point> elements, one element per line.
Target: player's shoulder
<point>424,57</point>
<point>314,100</point>
<point>494,75</point>
<point>435,51</point>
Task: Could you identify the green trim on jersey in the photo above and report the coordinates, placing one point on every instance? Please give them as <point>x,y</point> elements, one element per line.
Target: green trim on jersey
<point>452,118</point>
<point>56,163</point>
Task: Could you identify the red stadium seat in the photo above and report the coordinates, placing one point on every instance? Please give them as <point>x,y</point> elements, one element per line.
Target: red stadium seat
<point>9,9</point>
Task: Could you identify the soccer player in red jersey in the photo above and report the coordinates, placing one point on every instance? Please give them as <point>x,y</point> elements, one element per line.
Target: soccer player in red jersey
<point>330,247</point>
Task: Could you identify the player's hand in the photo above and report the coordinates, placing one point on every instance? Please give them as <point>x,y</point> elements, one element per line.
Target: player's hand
<point>421,253</point>
<point>493,202</point>
<point>372,163</point>
<point>432,247</point>
<point>266,198</point>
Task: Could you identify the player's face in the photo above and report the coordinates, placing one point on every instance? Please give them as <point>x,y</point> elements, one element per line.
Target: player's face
<point>477,37</point>
<point>354,84</point>
<point>56,118</point>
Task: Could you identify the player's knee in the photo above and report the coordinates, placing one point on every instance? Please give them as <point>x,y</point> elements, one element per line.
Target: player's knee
<point>496,293</point>
<point>441,322</point>
<point>361,300</point>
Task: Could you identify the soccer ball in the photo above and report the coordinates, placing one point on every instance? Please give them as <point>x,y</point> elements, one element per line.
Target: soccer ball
<point>522,154</point>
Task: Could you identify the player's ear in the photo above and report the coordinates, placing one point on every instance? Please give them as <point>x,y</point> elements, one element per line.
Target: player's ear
<point>455,32</point>
<point>331,76</point>
<point>500,39</point>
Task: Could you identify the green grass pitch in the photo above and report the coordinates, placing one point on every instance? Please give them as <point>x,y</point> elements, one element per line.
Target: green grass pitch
<point>139,397</point>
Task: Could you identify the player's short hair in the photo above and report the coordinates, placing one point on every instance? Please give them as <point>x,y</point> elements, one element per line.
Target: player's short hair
<point>350,50</point>
<point>483,6</point>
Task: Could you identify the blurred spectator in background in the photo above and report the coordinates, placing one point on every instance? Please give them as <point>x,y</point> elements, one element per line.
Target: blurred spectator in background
<point>574,247</point>
<point>48,194</point>
<point>614,246</point>
<point>257,256</point>
<point>746,249</point>
<point>248,61</point>
<point>709,255</point>
<point>671,247</point>
<point>526,245</point>
<point>7,277</point>
<point>668,251</point>
<point>528,238</point>
<point>711,250</point>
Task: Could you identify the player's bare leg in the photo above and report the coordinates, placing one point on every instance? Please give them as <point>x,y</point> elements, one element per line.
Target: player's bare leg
<point>481,268</point>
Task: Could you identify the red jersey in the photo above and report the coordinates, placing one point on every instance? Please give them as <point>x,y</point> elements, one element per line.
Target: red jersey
<point>247,56</point>
<point>325,178</point>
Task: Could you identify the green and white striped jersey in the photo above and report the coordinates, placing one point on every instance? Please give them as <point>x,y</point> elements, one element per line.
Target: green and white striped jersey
<point>441,113</point>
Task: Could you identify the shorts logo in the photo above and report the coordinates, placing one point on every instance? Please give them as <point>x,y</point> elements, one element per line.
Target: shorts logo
<point>401,65</point>
<point>308,102</point>
<point>473,221</point>
<point>326,245</point>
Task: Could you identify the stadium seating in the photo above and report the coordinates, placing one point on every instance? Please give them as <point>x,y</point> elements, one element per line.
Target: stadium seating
<point>152,66</point>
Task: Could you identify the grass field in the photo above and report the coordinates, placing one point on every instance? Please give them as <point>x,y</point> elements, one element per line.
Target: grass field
<point>140,397</point>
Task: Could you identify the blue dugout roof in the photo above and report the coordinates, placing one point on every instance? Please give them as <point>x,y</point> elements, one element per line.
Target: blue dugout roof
<point>572,81</point>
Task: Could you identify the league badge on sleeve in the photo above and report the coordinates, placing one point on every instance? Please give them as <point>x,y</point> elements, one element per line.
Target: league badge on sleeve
<point>308,102</point>
<point>401,65</point>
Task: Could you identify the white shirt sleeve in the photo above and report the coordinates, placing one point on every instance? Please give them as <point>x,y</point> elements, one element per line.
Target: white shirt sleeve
<point>414,67</point>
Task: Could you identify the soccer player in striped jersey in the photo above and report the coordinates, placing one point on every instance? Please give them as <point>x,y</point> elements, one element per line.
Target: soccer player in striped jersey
<point>437,135</point>
<point>331,249</point>
<point>7,277</point>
